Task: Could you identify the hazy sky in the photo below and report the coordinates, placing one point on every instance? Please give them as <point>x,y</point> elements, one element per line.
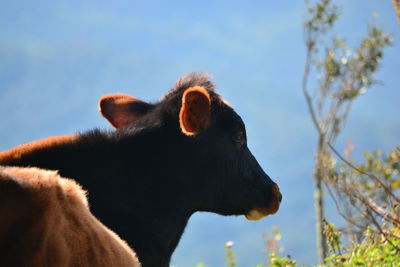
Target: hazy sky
<point>57,58</point>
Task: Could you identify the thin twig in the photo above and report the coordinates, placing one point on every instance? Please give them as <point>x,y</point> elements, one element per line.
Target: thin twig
<point>388,191</point>
<point>369,203</point>
<point>383,232</point>
<point>347,218</point>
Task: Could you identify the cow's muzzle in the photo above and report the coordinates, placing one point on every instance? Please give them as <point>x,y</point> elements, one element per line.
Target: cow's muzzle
<point>261,212</point>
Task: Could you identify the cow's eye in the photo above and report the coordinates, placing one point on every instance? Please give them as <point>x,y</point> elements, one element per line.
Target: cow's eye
<point>239,138</point>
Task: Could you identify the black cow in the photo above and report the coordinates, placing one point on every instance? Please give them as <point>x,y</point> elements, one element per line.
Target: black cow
<point>164,162</point>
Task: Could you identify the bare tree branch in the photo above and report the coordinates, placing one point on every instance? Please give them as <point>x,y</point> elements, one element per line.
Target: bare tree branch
<point>384,213</point>
<point>387,189</point>
<point>307,96</point>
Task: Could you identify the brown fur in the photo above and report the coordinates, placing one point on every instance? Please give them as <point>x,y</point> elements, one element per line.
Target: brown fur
<point>116,109</point>
<point>26,149</point>
<point>195,112</point>
<point>45,221</point>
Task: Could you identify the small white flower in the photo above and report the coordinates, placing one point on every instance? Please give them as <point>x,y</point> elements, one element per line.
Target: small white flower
<point>362,90</point>
<point>229,244</point>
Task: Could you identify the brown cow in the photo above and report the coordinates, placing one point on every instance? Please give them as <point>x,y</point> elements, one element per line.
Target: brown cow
<point>45,221</point>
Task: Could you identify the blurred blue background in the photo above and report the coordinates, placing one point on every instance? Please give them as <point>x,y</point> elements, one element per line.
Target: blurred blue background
<point>57,58</point>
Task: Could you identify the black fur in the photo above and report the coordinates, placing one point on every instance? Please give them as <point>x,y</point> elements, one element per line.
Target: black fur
<point>146,180</point>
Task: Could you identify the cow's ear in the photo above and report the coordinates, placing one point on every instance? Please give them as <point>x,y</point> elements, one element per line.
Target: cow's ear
<point>121,110</point>
<point>195,111</point>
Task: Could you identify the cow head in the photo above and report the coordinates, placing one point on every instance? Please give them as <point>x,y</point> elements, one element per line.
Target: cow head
<point>211,138</point>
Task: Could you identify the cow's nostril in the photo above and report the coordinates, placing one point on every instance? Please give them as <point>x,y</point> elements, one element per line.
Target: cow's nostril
<point>276,192</point>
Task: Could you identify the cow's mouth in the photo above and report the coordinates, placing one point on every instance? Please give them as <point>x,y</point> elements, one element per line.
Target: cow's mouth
<point>259,213</point>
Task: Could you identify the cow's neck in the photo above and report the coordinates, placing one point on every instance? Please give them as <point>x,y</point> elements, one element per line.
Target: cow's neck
<point>159,238</point>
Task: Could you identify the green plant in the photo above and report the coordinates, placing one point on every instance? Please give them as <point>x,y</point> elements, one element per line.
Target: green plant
<point>230,255</point>
<point>278,261</point>
<point>333,238</point>
<point>374,250</point>
<point>274,249</point>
